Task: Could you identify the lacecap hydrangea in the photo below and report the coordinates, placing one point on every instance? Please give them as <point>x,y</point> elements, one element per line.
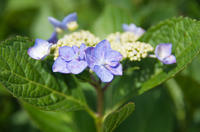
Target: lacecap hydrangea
<point>79,50</point>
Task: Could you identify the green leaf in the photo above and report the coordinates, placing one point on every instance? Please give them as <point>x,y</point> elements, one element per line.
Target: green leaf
<point>154,112</point>
<point>115,118</point>
<point>41,27</point>
<point>184,34</point>
<point>50,121</point>
<point>111,20</point>
<point>34,82</point>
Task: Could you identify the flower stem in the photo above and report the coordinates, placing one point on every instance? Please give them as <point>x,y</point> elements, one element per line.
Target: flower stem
<point>100,104</point>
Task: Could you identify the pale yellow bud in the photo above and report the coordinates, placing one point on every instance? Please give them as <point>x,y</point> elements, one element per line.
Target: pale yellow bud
<point>72,26</point>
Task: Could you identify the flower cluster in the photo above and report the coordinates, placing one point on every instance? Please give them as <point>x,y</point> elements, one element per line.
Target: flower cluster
<point>76,39</point>
<point>126,43</point>
<point>101,59</point>
<point>81,49</point>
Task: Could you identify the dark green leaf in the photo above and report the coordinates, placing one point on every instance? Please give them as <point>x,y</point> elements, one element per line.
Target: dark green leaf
<point>115,118</point>
<point>34,82</point>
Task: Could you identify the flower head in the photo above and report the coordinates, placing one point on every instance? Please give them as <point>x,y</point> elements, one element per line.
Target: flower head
<point>138,31</point>
<point>76,39</point>
<point>70,60</point>
<point>104,61</point>
<point>69,22</point>
<point>163,53</point>
<point>40,50</point>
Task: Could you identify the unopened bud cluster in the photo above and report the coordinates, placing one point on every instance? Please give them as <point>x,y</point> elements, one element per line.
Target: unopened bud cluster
<point>76,39</point>
<point>126,43</point>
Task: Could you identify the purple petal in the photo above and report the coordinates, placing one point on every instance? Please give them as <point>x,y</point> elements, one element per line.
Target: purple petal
<point>82,49</point>
<point>113,57</point>
<point>53,39</point>
<point>133,28</point>
<point>163,50</point>
<point>115,70</point>
<point>125,27</point>
<point>40,50</point>
<point>67,53</point>
<point>90,58</point>
<point>54,22</point>
<point>101,49</point>
<point>103,73</point>
<point>70,18</point>
<point>169,60</point>
<point>139,31</point>
<point>75,48</point>
<point>60,66</point>
<point>76,66</point>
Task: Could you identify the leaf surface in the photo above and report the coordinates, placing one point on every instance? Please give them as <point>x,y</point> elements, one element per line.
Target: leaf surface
<point>34,82</point>
<point>115,118</point>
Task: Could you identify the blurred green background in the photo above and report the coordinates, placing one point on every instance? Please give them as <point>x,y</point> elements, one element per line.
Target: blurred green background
<point>172,107</point>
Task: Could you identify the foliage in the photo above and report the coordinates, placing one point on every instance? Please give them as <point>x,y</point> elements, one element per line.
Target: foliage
<point>56,102</point>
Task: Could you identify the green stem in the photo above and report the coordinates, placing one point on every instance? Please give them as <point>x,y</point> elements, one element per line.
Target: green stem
<point>100,104</point>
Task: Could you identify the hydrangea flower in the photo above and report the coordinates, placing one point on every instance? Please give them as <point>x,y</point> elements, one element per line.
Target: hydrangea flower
<point>53,39</point>
<point>163,53</point>
<point>138,31</point>
<point>68,22</point>
<point>40,50</point>
<point>104,61</point>
<point>70,60</point>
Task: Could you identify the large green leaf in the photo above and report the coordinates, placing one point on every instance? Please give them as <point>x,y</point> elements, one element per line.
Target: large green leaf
<point>34,82</point>
<point>183,33</point>
<point>115,118</point>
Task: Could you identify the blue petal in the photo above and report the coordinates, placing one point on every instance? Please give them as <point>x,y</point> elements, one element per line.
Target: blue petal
<point>40,50</point>
<point>76,49</point>
<point>169,60</point>
<point>53,39</point>
<point>113,57</point>
<point>54,22</point>
<point>82,49</point>
<point>103,73</point>
<point>139,31</point>
<point>67,53</point>
<point>60,66</point>
<point>101,49</point>
<point>163,50</point>
<point>76,66</point>
<point>90,58</point>
<point>70,18</point>
<point>125,27</point>
<point>115,70</point>
<point>133,28</point>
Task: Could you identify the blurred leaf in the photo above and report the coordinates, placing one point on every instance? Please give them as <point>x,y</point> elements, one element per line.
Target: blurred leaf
<point>115,118</point>
<point>21,4</point>
<point>111,20</point>
<point>34,82</point>
<point>83,121</point>
<point>184,34</point>
<point>193,70</point>
<point>153,113</point>
<point>50,121</point>
<point>191,90</point>
<point>41,27</point>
